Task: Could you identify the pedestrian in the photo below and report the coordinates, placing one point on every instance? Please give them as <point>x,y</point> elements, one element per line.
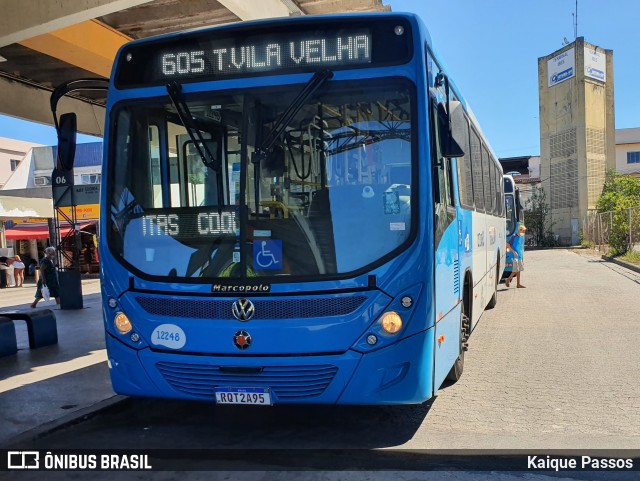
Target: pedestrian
<point>48,277</point>
<point>18,271</point>
<point>88,256</point>
<point>6,262</point>
<point>33,265</point>
<point>516,247</point>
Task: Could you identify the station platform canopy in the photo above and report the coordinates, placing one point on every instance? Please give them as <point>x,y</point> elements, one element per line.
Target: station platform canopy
<point>44,44</point>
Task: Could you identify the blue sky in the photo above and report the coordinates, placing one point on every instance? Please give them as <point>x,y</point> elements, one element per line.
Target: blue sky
<point>19,129</point>
<point>491,50</point>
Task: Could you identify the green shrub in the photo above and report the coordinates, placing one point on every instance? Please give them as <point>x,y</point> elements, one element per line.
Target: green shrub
<point>631,256</point>
<point>618,194</point>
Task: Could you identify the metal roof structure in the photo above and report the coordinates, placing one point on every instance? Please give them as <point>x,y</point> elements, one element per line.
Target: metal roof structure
<point>87,155</point>
<point>43,44</point>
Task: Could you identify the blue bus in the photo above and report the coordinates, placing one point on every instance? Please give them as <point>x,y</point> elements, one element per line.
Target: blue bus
<point>514,216</point>
<point>298,210</point>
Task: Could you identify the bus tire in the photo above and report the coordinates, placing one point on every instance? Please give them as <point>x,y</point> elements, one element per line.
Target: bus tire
<point>465,328</point>
<point>494,299</point>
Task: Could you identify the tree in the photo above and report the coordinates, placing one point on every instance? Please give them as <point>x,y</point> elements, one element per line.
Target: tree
<point>537,218</point>
<point>618,194</point>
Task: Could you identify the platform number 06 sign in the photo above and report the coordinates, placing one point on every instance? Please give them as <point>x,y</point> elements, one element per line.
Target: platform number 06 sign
<point>62,178</point>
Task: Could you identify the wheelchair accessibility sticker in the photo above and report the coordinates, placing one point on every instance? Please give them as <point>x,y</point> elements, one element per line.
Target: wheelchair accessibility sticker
<point>267,255</point>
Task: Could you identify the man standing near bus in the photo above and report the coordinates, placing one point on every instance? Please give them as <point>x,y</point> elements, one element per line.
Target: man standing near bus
<point>515,246</point>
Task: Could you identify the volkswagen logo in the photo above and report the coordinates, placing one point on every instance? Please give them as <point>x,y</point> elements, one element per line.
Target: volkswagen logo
<point>243,309</point>
<point>242,340</point>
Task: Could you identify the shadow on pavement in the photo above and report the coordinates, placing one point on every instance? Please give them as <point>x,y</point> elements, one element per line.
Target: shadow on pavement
<point>170,424</point>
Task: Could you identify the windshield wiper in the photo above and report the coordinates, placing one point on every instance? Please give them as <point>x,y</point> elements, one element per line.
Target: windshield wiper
<point>174,89</point>
<point>264,149</point>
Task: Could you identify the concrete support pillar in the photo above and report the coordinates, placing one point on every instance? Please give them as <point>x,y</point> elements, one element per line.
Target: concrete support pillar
<point>33,249</point>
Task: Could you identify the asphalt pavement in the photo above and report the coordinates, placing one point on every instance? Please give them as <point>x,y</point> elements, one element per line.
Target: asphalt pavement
<point>553,366</point>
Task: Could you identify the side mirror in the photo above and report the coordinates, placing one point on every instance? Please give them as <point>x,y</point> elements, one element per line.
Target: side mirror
<point>67,130</point>
<point>451,128</point>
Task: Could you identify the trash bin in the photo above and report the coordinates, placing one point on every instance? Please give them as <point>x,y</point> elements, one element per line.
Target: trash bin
<point>70,289</point>
<point>10,280</point>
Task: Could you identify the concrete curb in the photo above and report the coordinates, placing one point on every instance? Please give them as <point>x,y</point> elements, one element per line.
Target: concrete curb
<point>76,417</point>
<point>628,265</point>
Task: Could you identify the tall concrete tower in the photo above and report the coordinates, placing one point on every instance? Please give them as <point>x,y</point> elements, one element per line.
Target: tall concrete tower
<point>577,132</point>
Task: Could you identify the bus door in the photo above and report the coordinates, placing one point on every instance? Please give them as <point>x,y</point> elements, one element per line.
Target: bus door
<point>446,260</point>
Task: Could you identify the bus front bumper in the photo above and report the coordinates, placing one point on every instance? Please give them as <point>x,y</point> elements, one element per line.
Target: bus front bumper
<point>398,374</point>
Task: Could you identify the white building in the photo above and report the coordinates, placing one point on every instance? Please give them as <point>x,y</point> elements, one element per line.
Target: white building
<point>26,207</point>
<point>35,167</point>
<point>628,151</point>
<point>12,153</point>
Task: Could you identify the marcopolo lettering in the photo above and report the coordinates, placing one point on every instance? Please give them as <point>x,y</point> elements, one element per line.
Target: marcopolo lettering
<point>241,288</point>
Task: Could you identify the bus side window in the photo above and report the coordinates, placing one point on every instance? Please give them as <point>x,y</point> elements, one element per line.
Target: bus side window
<point>486,164</point>
<point>476,160</point>
<point>465,180</point>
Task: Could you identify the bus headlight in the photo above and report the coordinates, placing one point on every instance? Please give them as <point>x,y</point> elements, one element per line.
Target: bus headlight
<point>391,322</point>
<point>122,323</point>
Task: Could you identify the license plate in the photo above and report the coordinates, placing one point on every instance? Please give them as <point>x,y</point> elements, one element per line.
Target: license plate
<point>243,395</point>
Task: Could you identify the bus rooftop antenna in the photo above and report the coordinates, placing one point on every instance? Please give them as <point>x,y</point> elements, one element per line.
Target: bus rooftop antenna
<point>575,23</point>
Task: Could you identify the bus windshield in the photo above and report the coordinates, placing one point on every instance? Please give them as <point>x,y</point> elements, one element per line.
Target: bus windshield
<point>331,196</point>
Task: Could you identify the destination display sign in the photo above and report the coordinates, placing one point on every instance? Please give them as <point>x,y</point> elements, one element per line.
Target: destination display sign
<point>258,55</point>
<point>190,224</point>
<point>228,53</point>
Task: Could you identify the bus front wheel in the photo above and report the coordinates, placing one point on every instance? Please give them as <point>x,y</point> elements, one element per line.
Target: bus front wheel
<point>458,366</point>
